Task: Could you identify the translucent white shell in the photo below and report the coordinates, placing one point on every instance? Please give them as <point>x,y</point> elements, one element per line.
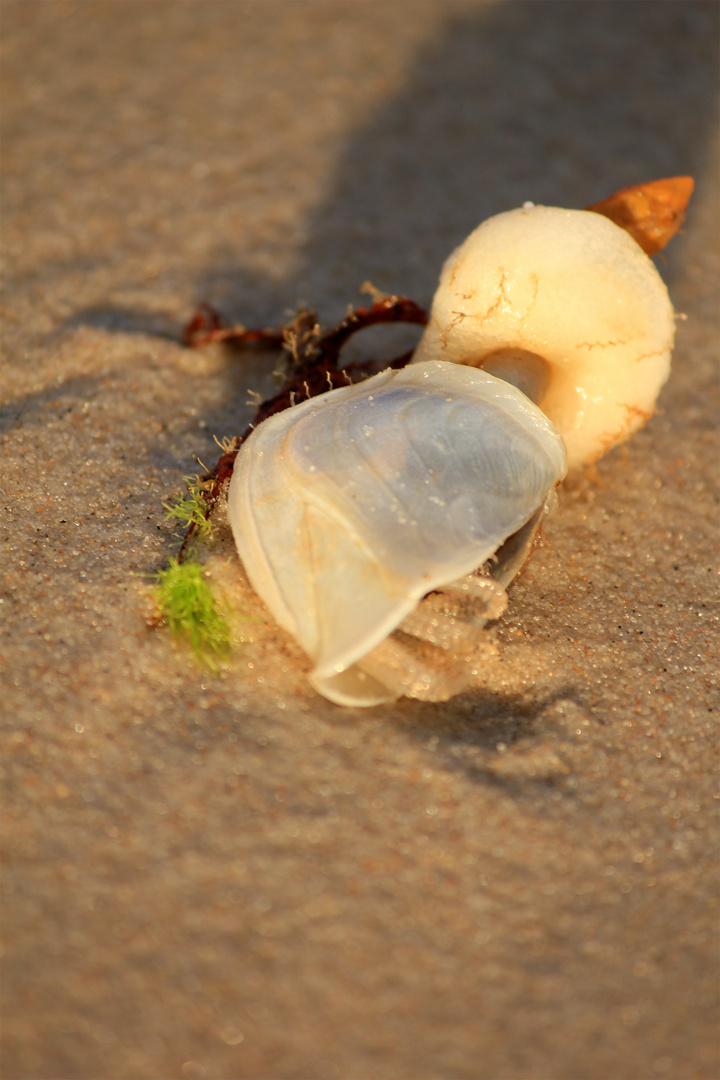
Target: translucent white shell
<point>565,305</point>
<point>350,507</point>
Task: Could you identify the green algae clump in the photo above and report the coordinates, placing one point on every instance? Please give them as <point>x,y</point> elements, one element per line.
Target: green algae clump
<point>186,604</point>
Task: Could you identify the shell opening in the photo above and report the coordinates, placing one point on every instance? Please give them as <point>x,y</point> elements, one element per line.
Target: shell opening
<point>528,371</point>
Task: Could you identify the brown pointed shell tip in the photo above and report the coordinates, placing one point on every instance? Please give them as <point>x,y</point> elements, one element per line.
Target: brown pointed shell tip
<point>652,213</point>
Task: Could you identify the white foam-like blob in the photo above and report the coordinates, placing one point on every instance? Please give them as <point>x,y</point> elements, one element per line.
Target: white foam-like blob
<point>564,304</point>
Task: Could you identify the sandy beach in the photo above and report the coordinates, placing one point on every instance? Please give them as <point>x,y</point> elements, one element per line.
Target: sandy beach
<point>223,875</point>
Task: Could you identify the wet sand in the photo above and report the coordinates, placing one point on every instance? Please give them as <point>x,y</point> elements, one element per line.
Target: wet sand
<point>225,875</point>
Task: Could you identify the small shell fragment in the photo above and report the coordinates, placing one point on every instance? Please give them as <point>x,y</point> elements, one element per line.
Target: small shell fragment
<point>350,507</point>
<point>652,213</point>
